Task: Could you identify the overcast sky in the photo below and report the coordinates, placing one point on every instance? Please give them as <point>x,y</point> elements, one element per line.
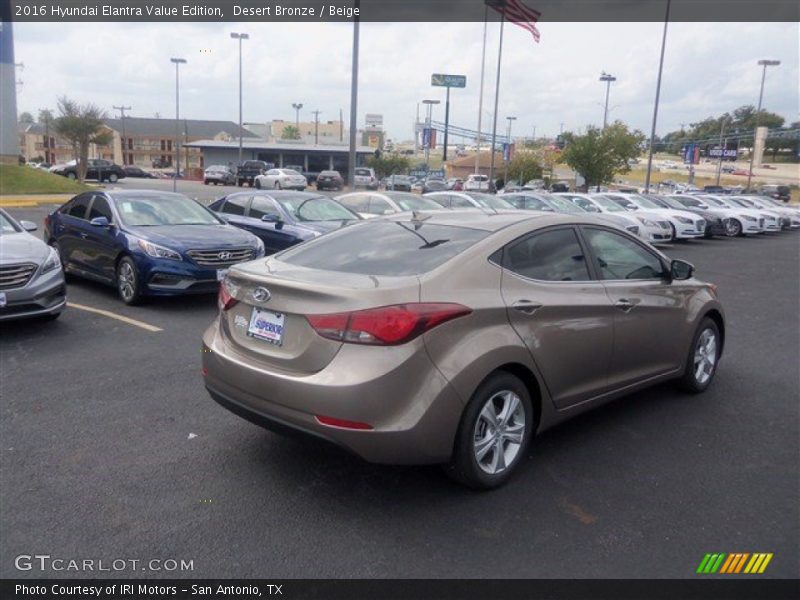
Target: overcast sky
<point>709,68</point>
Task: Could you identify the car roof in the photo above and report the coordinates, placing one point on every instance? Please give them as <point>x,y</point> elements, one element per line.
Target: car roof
<point>122,194</point>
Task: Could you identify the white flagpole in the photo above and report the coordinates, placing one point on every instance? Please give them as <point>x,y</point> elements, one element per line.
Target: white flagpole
<point>480,101</point>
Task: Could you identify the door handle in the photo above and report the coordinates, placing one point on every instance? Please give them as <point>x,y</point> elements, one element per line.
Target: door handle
<point>624,304</point>
<point>84,235</point>
<point>527,307</point>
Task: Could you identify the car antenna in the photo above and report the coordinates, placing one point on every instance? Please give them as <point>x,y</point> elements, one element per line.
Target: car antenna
<point>418,219</point>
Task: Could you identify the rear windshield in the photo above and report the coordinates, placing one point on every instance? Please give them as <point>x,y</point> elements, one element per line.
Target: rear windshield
<point>388,248</point>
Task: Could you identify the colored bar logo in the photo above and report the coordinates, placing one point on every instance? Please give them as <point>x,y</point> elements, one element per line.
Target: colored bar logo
<point>737,562</point>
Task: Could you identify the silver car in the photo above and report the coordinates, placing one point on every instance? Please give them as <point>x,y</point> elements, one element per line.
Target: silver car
<point>31,277</point>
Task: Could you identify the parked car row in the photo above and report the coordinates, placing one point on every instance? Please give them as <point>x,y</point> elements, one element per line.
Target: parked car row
<point>447,328</point>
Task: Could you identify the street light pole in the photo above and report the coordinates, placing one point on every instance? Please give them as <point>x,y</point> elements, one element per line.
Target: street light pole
<point>316,126</point>
<point>177,62</point>
<point>353,155</point>
<point>721,149</point>
<point>122,110</point>
<point>765,63</point>
<point>297,107</point>
<point>655,107</point>
<point>240,37</point>
<point>608,78</point>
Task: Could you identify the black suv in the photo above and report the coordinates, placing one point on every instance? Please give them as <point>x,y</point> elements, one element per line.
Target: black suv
<point>99,169</point>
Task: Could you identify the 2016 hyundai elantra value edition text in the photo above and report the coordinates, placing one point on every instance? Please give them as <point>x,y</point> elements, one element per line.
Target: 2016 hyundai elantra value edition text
<point>454,337</point>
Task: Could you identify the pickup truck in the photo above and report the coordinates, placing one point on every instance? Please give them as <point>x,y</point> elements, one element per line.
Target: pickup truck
<point>249,170</point>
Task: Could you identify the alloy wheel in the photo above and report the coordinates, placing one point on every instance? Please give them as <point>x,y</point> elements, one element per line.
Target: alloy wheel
<point>499,432</point>
<point>733,228</point>
<point>126,281</point>
<point>705,356</point>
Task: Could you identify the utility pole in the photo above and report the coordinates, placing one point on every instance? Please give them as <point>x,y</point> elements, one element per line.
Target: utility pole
<point>46,114</point>
<point>122,110</point>
<point>316,126</point>
<point>341,125</point>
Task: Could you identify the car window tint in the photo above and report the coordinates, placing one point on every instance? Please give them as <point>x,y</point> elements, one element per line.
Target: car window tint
<point>78,207</point>
<point>263,206</point>
<point>441,199</point>
<point>389,248</point>
<point>459,202</point>
<point>621,258</point>
<point>100,208</point>
<point>549,256</point>
<point>235,205</point>
<point>379,206</point>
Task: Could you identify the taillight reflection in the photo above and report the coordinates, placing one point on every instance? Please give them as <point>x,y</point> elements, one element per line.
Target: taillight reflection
<point>225,301</point>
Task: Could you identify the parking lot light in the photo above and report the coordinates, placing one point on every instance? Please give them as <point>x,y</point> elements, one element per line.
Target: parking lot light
<point>764,63</point>
<point>240,37</point>
<point>607,78</point>
<point>178,62</point>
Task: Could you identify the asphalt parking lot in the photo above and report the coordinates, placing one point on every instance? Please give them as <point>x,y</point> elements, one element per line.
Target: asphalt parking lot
<point>111,448</point>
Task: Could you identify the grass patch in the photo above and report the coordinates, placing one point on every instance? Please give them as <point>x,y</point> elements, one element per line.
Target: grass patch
<point>15,179</point>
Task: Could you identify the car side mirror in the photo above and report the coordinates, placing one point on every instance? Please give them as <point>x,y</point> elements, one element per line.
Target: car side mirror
<point>29,225</point>
<point>271,219</point>
<point>99,222</point>
<point>680,270</point>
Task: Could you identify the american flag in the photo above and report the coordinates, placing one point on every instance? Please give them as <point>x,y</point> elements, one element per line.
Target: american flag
<point>516,12</point>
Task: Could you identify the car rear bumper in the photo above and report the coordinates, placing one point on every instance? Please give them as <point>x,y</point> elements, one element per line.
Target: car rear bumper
<point>412,409</point>
<point>43,296</point>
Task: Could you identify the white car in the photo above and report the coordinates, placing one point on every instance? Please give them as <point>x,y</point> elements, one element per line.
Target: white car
<point>470,200</point>
<point>281,179</point>
<point>787,217</point>
<point>748,220</point>
<point>732,220</point>
<point>647,229</point>
<point>365,177</point>
<point>476,183</point>
<point>684,225</point>
<point>376,204</point>
<point>791,212</point>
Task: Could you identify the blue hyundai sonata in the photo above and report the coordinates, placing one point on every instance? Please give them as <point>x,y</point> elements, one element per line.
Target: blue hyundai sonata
<point>147,242</point>
<point>283,218</point>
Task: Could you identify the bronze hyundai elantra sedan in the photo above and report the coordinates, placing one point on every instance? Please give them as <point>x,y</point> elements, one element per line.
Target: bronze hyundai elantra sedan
<point>454,337</point>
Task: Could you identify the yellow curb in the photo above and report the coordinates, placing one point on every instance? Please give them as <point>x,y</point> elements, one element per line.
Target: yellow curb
<point>28,200</point>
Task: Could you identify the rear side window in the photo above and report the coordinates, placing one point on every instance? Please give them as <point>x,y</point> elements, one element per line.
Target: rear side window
<point>554,255</point>
<point>235,205</point>
<point>384,248</point>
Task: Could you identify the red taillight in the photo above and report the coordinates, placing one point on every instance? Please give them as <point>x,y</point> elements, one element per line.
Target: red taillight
<point>225,300</point>
<point>330,421</point>
<point>387,325</point>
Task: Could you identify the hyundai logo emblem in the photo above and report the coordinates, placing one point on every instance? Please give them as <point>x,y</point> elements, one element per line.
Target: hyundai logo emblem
<point>261,294</point>
<point>224,255</point>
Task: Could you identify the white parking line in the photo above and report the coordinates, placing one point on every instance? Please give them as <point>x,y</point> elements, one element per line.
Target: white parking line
<point>111,315</point>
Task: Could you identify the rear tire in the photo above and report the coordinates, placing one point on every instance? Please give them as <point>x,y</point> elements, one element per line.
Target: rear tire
<point>701,364</point>
<point>113,178</point>
<point>128,285</point>
<point>495,430</point>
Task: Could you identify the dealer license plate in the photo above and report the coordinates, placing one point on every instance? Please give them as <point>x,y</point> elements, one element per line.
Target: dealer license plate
<point>266,325</point>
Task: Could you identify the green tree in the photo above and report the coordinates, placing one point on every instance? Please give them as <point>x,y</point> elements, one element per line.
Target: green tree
<point>524,167</point>
<point>290,132</point>
<point>81,125</point>
<point>26,118</point>
<point>386,165</point>
<point>600,154</point>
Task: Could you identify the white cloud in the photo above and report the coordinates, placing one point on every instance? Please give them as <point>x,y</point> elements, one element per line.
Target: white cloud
<point>710,68</point>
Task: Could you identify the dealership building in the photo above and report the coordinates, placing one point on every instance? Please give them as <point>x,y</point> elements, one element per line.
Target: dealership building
<point>312,158</point>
